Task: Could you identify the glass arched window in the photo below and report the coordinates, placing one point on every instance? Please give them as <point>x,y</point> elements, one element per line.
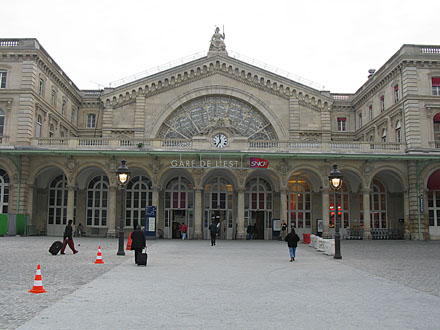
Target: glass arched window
<point>258,201</point>
<point>97,201</point>
<point>299,203</point>
<point>378,205</point>
<point>4,191</point>
<point>58,201</point>
<point>38,127</point>
<point>2,122</point>
<point>139,196</point>
<point>343,207</point>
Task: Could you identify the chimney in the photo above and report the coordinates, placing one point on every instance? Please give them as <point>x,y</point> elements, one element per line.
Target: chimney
<point>371,73</point>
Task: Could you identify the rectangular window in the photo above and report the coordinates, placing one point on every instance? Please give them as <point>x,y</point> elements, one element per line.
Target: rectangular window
<point>63,108</point>
<point>370,112</point>
<point>436,86</point>
<point>91,121</point>
<point>53,97</point>
<point>41,88</point>
<point>396,93</point>
<point>3,79</point>
<point>382,103</point>
<point>341,124</point>
<point>360,120</point>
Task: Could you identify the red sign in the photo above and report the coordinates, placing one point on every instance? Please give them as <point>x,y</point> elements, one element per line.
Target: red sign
<point>258,162</point>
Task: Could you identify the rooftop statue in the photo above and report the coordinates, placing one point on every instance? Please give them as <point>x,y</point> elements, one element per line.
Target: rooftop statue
<point>217,41</point>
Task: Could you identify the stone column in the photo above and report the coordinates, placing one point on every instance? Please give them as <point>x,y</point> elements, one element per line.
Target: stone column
<point>198,213</point>
<point>325,213</point>
<point>283,206</point>
<point>70,202</point>
<point>240,214</point>
<point>30,203</point>
<point>366,205</point>
<point>155,202</point>
<point>112,211</point>
<point>406,231</point>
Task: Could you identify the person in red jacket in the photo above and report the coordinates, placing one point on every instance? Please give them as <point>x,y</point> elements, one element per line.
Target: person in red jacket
<point>68,239</point>
<point>183,230</point>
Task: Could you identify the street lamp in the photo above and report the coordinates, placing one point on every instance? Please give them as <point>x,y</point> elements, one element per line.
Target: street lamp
<point>335,179</point>
<point>123,176</point>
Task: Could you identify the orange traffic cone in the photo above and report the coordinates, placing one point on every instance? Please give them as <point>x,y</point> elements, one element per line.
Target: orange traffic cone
<point>129,242</point>
<point>99,257</point>
<point>38,283</point>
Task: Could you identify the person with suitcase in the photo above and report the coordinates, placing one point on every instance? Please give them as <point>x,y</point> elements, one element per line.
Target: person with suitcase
<point>138,242</point>
<point>68,239</point>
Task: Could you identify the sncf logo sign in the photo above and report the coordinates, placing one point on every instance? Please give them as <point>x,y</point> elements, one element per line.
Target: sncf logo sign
<point>258,162</point>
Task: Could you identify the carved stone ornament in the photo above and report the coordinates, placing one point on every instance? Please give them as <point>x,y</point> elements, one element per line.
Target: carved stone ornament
<point>197,174</point>
<point>156,165</point>
<point>241,175</point>
<point>367,168</point>
<point>71,164</point>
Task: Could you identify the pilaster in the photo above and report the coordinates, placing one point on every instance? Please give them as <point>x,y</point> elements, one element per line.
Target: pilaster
<point>411,108</point>
<point>325,213</point>
<point>198,213</point>
<point>107,121</point>
<point>112,211</point>
<point>241,232</point>
<point>366,205</point>
<point>139,117</point>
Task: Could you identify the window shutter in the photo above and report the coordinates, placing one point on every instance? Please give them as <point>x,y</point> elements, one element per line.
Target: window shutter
<point>437,118</point>
<point>342,119</point>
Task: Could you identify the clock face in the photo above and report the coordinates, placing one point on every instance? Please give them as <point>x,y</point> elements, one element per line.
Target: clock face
<point>220,140</point>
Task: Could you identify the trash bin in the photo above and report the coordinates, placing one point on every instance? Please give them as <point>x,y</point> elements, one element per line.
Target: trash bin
<point>306,238</point>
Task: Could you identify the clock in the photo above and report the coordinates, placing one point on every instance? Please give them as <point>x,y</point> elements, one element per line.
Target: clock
<point>220,140</point>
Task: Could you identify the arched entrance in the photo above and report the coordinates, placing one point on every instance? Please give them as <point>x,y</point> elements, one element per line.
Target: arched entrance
<point>4,191</point>
<point>179,206</point>
<point>434,204</point>
<point>258,207</point>
<point>299,205</point>
<point>219,201</point>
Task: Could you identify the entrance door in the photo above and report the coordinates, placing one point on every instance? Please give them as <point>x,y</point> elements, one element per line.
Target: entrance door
<point>178,217</point>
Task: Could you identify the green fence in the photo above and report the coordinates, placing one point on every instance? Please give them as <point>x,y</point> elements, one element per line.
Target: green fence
<point>3,224</point>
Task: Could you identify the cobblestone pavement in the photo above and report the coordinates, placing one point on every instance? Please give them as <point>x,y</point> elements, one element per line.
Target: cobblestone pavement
<point>235,272</point>
<point>412,263</point>
<point>61,274</point>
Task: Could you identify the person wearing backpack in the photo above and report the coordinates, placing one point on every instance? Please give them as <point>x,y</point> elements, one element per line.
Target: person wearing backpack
<point>292,242</point>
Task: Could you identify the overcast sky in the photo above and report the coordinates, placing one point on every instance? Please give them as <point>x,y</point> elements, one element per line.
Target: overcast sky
<point>332,43</point>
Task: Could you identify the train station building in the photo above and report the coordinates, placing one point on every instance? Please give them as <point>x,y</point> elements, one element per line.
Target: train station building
<point>220,139</point>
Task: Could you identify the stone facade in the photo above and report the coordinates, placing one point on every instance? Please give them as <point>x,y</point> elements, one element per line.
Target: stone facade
<point>193,134</point>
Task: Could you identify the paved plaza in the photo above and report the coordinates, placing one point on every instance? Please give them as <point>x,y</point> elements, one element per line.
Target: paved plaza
<point>234,285</point>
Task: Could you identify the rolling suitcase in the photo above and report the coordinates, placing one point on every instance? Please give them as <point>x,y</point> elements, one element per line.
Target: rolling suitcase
<point>55,247</point>
<point>142,258</point>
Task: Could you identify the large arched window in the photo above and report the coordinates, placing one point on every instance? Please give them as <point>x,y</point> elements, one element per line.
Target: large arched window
<point>4,191</point>
<point>434,199</point>
<point>378,205</point>
<point>58,201</point>
<point>299,203</point>
<point>199,115</point>
<point>139,196</point>
<point>97,201</point>
<point>258,203</point>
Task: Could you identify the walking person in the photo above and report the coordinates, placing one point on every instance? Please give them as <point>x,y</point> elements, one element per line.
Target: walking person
<point>183,230</point>
<point>213,230</point>
<point>292,242</point>
<point>249,231</point>
<point>283,230</point>
<point>68,239</point>
<point>138,242</point>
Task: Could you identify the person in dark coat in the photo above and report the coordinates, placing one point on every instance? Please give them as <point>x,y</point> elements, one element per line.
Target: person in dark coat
<point>292,242</point>
<point>138,242</point>
<point>213,230</point>
<point>250,231</point>
<point>67,238</point>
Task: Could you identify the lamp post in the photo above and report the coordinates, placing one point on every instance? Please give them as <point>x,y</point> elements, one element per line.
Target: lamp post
<point>123,176</point>
<point>335,179</point>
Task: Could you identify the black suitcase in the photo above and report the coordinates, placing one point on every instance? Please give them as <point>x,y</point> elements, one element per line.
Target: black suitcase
<point>55,247</point>
<point>142,259</point>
